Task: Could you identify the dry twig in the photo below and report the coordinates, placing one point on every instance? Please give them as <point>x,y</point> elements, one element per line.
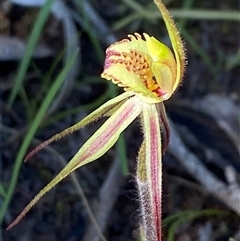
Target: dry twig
<point>193,165</point>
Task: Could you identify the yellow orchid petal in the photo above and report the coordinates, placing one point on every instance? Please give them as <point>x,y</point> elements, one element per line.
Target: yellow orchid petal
<point>96,146</point>
<point>146,67</point>
<point>163,65</point>
<point>176,41</point>
<point>134,64</point>
<point>128,64</point>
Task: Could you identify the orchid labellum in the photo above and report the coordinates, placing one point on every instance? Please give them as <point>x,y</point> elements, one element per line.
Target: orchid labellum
<point>149,73</point>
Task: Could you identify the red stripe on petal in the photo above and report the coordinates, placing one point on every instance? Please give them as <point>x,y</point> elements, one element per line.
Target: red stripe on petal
<point>104,138</point>
<point>155,172</point>
<point>109,132</point>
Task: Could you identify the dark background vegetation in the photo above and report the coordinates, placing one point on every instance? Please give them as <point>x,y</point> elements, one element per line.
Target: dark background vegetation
<point>204,112</point>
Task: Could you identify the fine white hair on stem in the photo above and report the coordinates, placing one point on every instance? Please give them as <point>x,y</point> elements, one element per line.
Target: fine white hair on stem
<point>145,211</point>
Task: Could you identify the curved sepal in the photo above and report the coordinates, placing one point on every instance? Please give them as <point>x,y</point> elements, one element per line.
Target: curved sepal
<point>96,146</point>
<point>98,113</point>
<point>176,41</point>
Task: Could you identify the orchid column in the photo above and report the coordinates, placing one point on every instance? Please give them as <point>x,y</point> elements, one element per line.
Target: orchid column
<point>149,73</point>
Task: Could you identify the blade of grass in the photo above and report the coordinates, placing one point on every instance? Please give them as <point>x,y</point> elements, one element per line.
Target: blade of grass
<point>181,24</point>
<point>138,8</point>
<point>2,191</point>
<point>189,213</point>
<point>126,21</point>
<point>197,14</point>
<point>87,107</point>
<point>27,104</point>
<point>186,6</point>
<point>31,132</point>
<point>200,51</point>
<point>206,14</point>
<point>32,41</point>
<point>83,9</point>
<point>122,153</point>
<point>45,80</point>
<point>179,218</point>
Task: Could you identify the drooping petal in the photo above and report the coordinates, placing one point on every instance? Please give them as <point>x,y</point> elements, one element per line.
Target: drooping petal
<point>149,174</point>
<point>101,111</point>
<point>176,41</point>
<point>106,136</point>
<point>97,145</point>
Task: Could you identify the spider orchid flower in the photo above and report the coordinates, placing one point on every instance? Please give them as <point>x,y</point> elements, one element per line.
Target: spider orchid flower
<point>149,73</point>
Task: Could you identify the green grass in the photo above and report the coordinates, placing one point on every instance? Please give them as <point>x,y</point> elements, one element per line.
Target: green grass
<point>31,132</point>
<point>175,220</point>
<point>32,42</point>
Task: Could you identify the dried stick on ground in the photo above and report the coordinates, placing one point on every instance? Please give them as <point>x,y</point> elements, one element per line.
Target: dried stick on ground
<point>107,197</point>
<point>230,197</point>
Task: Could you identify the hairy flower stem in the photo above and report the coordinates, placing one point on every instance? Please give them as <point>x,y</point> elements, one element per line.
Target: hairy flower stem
<point>148,220</point>
<point>149,175</point>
